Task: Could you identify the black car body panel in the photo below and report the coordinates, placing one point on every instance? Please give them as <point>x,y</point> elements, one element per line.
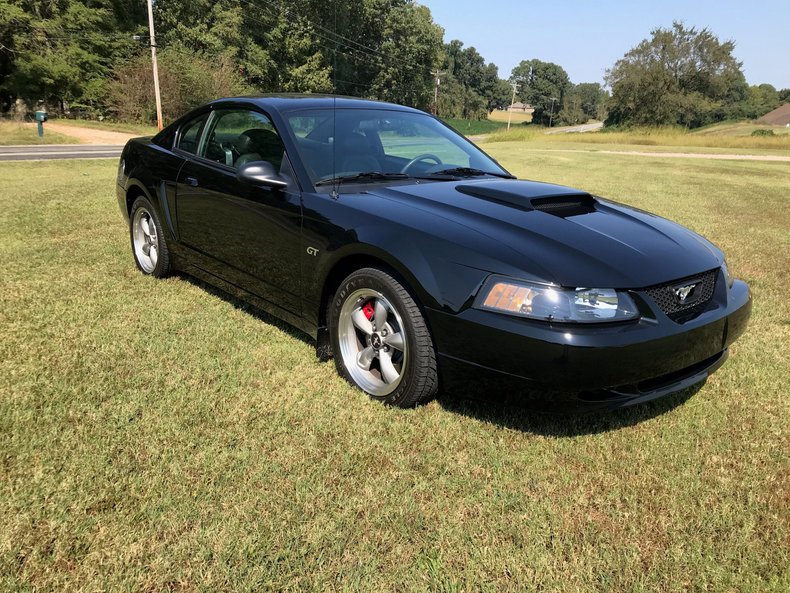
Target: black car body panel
<point>285,250</point>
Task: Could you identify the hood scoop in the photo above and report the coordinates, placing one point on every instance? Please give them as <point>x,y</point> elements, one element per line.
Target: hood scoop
<point>530,195</point>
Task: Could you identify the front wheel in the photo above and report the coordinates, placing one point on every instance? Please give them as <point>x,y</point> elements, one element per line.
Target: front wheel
<point>380,339</point>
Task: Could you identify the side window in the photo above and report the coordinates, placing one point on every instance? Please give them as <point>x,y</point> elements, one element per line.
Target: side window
<point>190,134</point>
<point>237,137</point>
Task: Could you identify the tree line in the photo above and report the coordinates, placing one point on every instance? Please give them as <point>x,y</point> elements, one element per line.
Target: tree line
<point>93,56</point>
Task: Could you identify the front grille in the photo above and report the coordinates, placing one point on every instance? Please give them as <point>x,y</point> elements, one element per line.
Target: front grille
<point>666,299</point>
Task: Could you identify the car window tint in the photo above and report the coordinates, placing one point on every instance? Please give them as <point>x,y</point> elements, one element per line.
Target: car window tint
<point>237,137</point>
<point>409,139</point>
<point>190,134</point>
<point>346,142</point>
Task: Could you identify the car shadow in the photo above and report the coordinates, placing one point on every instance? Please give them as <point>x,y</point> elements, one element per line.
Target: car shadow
<point>527,416</point>
<point>513,412</point>
<point>246,306</point>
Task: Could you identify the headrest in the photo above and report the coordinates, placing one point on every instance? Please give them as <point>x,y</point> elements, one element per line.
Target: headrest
<point>355,143</point>
<point>256,140</point>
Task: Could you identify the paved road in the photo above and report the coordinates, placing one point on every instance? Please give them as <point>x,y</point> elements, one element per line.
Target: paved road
<point>48,152</point>
<point>577,129</point>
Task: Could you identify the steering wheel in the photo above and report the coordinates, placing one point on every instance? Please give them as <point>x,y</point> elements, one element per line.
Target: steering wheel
<point>420,158</point>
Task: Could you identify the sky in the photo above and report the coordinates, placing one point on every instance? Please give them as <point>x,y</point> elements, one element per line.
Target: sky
<point>587,37</point>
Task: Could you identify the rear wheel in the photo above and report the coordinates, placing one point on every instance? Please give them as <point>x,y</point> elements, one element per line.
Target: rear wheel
<point>148,240</point>
<point>380,340</point>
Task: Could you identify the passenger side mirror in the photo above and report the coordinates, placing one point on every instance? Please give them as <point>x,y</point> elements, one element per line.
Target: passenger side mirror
<point>261,173</point>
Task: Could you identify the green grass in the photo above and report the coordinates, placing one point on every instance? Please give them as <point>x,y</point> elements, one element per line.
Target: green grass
<point>110,126</point>
<point>473,127</point>
<point>739,128</point>
<point>157,436</point>
<point>648,138</point>
<point>13,133</point>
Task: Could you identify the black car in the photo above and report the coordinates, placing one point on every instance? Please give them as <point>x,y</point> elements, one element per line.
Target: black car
<point>416,260</point>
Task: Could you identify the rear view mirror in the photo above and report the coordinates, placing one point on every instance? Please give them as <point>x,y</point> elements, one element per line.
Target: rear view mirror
<point>261,173</point>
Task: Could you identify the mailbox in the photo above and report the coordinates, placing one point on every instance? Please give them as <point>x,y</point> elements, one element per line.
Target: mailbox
<point>41,117</point>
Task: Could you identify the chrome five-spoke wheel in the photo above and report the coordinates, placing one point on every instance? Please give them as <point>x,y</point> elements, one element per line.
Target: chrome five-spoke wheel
<point>372,342</point>
<point>380,340</point>
<point>149,245</point>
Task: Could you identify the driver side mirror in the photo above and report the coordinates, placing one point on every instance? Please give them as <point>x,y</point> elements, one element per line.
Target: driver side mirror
<point>261,173</point>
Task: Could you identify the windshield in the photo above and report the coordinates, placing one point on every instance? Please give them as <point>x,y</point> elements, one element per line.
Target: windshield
<point>390,144</point>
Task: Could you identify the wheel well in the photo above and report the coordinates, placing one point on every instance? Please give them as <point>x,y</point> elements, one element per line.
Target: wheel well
<point>337,274</point>
<point>132,194</point>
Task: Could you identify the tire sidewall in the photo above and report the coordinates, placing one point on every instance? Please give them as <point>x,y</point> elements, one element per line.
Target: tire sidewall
<point>162,265</point>
<point>357,281</point>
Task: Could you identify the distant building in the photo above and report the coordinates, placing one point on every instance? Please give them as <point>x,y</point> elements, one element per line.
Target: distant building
<point>778,117</point>
<point>519,107</point>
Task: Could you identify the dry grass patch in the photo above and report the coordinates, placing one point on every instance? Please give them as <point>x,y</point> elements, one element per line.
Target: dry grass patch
<point>14,133</point>
<point>658,138</point>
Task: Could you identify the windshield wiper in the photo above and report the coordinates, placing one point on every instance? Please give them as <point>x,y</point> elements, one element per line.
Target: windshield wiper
<point>366,176</point>
<point>467,172</point>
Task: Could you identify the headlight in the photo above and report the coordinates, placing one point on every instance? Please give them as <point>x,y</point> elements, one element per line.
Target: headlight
<point>727,276</point>
<point>550,303</point>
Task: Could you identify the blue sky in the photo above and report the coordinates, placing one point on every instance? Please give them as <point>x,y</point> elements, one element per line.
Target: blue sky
<point>587,37</point>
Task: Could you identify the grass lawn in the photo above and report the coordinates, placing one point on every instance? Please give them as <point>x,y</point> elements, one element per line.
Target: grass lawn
<point>157,436</point>
<point>472,127</point>
<point>738,128</point>
<point>649,139</point>
<point>12,133</point>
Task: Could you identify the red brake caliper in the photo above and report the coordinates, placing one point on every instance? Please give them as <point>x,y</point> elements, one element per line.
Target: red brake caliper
<point>368,310</point>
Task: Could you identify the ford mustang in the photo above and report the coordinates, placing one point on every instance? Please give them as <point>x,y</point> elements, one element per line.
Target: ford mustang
<point>417,261</point>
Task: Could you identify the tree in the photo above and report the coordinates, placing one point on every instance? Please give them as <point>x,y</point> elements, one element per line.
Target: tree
<point>679,76</point>
<point>784,95</point>
<point>476,85</point>
<point>539,83</point>
<point>187,80</point>
<point>410,48</point>
<point>63,51</point>
<point>593,99</point>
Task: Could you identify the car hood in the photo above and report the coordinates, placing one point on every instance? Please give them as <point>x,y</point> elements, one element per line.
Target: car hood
<point>563,235</point>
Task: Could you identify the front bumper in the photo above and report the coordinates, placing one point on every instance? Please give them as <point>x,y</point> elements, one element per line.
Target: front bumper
<point>617,364</point>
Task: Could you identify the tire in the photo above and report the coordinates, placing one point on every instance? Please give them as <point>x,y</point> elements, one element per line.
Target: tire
<point>149,246</point>
<point>396,363</point>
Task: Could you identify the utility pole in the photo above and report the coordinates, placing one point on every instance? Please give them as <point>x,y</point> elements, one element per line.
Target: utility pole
<point>551,113</point>
<point>510,109</point>
<point>437,75</point>
<point>159,123</point>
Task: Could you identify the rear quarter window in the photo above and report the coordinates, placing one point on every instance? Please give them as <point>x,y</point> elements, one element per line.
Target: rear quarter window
<point>189,138</point>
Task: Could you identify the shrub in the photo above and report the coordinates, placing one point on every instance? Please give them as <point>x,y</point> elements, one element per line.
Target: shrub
<point>186,80</point>
<point>762,132</point>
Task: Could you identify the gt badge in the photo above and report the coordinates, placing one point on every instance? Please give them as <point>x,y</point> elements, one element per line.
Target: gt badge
<point>312,251</point>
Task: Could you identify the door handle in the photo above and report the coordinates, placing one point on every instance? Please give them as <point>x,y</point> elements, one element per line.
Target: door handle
<point>192,181</point>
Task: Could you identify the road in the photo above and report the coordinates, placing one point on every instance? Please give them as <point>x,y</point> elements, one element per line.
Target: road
<point>47,152</point>
<point>577,129</point>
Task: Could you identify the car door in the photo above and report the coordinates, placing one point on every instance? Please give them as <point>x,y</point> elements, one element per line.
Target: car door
<point>248,235</point>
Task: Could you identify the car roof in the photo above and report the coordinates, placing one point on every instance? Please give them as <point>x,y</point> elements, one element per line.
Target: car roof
<point>285,102</point>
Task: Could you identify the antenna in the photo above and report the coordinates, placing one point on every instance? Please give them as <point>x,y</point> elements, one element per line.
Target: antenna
<point>334,107</point>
